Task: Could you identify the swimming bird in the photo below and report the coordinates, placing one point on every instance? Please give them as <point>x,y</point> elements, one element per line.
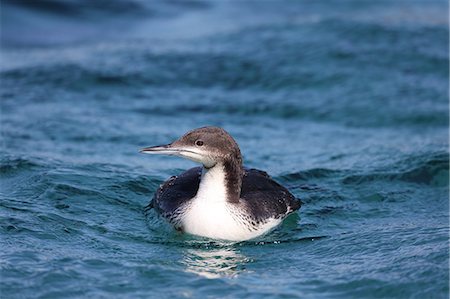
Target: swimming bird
<point>221,199</point>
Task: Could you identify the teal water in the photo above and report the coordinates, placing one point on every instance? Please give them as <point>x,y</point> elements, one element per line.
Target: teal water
<point>343,102</point>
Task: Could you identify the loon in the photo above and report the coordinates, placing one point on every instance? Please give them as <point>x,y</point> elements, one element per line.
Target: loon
<point>222,199</point>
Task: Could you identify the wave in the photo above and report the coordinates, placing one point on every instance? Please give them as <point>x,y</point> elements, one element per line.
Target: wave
<point>79,8</point>
<point>430,170</point>
<point>315,173</point>
<point>52,22</point>
<point>9,165</point>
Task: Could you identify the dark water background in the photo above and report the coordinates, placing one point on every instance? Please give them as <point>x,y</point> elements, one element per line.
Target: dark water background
<point>343,102</point>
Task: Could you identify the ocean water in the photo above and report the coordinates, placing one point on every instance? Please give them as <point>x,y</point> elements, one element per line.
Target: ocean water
<point>343,102</point>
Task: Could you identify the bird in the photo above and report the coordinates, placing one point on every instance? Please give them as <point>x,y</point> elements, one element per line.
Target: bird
<point>221,199</point>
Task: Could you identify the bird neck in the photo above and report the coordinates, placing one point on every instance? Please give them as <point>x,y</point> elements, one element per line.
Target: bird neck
<point>225,178</point>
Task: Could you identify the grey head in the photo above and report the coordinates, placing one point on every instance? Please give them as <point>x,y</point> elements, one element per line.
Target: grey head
<point>207,145</point>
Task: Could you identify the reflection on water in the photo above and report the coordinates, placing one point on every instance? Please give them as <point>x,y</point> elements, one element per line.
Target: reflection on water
<point>215,262</point>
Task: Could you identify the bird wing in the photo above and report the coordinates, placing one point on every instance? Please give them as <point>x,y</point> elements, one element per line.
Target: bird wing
<point>176,191</point>
<point>265,198</point>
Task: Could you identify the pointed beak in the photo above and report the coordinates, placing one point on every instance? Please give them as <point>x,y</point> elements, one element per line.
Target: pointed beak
<point>180,151</point>
<point>167,149</point>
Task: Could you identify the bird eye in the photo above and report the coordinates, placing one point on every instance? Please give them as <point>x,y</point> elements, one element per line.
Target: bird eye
<point>199,143</point>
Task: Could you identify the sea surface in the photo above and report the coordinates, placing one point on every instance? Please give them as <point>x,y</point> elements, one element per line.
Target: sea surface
<point>343,102</point>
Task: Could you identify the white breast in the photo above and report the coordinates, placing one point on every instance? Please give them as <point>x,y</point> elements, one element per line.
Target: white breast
<point>210,215</point>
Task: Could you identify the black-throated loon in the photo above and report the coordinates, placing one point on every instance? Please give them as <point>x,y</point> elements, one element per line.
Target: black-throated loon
<point>222,199</point>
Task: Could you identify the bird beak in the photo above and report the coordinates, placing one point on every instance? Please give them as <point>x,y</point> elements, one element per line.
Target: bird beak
<point>184,152</point>
<point>161,150</point>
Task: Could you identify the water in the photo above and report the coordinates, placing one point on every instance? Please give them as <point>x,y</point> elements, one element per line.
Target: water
<point>343,102</point>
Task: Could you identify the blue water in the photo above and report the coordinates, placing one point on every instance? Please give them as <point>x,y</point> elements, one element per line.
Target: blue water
<point>343,102</point>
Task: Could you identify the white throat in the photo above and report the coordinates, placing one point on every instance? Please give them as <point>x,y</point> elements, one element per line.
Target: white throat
<point>212,185</point>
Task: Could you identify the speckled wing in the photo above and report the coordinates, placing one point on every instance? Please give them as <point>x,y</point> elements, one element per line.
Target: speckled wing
<point>176,192</point>
<point>265,198</point>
